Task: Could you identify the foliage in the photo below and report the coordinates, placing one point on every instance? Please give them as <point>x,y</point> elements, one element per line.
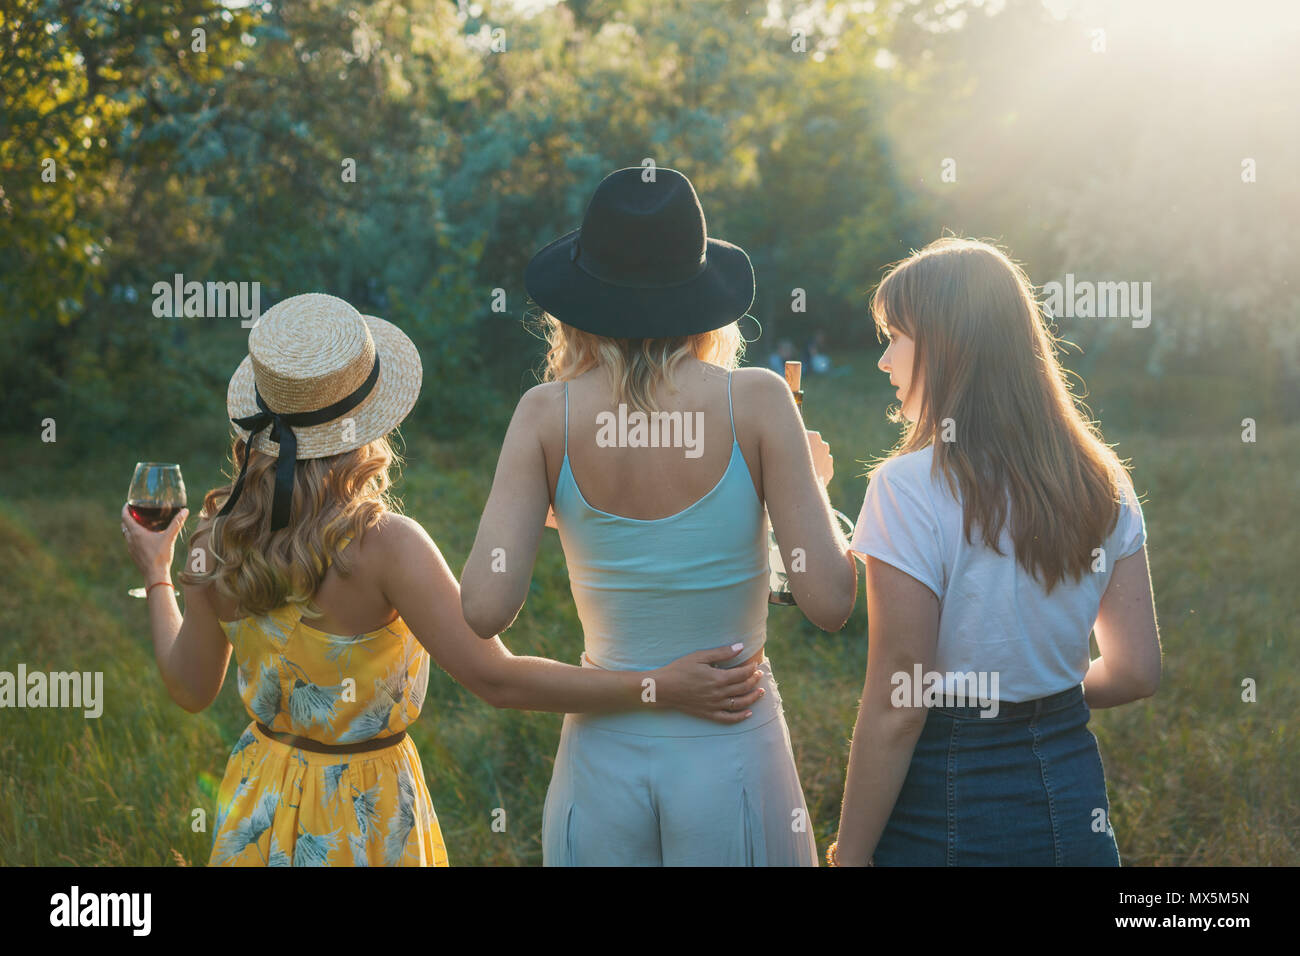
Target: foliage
<point>475,138</point>
<point>814,133</point>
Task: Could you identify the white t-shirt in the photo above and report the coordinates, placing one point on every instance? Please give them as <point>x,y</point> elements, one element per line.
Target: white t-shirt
<point>994,617</point>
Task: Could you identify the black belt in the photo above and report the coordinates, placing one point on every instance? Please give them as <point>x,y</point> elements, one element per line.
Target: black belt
<point>315,746</point>
<point>1021,708</point>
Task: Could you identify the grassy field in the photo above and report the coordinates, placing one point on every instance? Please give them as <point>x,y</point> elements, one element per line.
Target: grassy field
<point>1196,775</point>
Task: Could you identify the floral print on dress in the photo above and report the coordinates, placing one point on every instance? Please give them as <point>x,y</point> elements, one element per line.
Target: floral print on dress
<point>283,806</point>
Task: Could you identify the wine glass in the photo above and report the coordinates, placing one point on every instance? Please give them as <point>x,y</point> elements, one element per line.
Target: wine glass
<point>157,492</point>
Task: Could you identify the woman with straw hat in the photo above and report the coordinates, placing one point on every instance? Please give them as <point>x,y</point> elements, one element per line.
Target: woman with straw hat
<point>333,605</point>
<point>663,530</point>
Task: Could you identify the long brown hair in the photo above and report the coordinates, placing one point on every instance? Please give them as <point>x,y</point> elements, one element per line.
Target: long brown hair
<point>635,367</point>
<point>998,409</point>
<point>333,498</point>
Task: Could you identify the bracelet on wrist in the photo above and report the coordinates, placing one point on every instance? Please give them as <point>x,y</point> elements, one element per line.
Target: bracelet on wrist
<point>833,855</point>
<point>155,584</point>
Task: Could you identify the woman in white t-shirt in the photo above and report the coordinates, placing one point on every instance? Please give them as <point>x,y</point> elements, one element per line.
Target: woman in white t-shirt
<point>996,537</point>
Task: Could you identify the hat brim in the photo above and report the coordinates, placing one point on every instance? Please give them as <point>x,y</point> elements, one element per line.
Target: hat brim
<point>389,402</point>
<point>722,293</point>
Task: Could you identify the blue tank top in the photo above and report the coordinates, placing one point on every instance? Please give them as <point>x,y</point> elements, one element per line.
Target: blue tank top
<point>650,590</point>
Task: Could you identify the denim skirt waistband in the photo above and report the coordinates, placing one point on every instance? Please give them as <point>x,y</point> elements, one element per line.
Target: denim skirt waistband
<point>1019,710</point>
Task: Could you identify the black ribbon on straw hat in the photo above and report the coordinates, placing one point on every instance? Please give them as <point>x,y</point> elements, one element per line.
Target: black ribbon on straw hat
<point>281,425</point>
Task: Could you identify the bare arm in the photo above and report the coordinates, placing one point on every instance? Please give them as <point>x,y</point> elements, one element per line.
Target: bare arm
<point>420,585</point>
<point>903,630</point>
<point>192,652</point>
<point>827,586</point>
<point>1129,666</point>
<point>495,581</point>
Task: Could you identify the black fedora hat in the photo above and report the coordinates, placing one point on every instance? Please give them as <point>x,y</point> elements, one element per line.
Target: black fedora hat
<point>642,265</point>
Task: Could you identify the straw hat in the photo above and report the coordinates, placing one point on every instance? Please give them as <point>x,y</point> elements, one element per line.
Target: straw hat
<point>313,350</point>
<point>320,379</point>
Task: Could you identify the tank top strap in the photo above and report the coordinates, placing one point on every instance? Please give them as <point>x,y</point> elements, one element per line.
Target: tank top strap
<point>730,410</point>
<point>566,419</point>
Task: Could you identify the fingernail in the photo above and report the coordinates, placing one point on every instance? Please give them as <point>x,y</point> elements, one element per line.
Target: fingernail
<point>736,647</point>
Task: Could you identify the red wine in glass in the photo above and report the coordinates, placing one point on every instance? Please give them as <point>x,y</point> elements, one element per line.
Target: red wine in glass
<point>156,494</point>
<point>153,517</point>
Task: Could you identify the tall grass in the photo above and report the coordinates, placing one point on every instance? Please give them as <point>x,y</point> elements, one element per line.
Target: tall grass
<point>1196,775</point>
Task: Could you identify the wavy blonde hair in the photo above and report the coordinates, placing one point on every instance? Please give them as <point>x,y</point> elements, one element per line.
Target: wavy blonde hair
<point>988,358</point>
<point>635,367</point>
<point>333,498</point>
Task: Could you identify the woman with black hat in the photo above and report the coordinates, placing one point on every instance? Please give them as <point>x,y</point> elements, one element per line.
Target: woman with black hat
<point>660,511</point>
<point>333,606</point>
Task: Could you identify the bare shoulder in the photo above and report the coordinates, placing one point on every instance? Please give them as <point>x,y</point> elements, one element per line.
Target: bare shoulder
<point>201,540</point>
<point>761,399</point>
<point>395,537</point>
<point>198,556</point>
<point>758,384</point>
<point>390,543</point>
<point>538,422</point>
<point>540,403</point>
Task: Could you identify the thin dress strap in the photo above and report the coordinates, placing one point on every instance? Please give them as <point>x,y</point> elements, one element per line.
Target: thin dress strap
<point>347,540</point>
<point>566,419</point>
<point>730,410</point>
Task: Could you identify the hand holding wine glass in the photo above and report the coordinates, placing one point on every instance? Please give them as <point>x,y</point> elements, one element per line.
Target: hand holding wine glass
<point>152,518</point>
<point>152,551</point>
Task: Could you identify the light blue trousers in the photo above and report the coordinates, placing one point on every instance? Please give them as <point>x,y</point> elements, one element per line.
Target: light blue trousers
<point>662,788</point>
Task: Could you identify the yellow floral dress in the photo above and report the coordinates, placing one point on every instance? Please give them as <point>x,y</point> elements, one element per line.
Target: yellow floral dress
<point>283,806</point>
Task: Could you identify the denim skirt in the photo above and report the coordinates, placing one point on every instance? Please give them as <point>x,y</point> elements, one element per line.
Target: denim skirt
<point>1024,788</point>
